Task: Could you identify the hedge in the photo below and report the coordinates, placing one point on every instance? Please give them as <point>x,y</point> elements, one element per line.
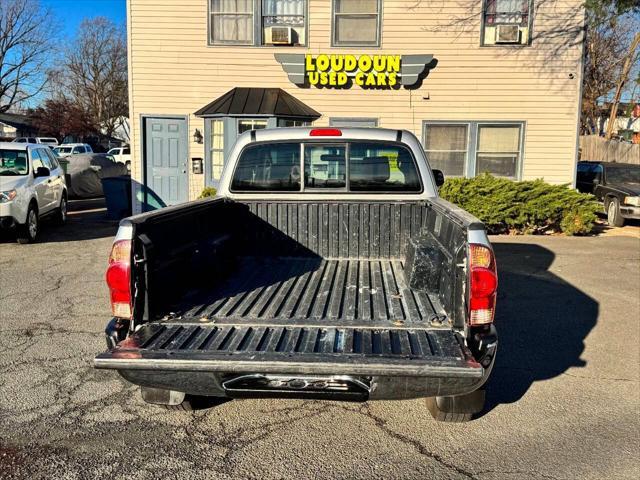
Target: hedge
<point>208,192</point>
<point>530,207</point>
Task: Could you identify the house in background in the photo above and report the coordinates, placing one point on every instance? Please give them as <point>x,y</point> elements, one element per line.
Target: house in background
<point>493,88</point>
<point>14,125</point>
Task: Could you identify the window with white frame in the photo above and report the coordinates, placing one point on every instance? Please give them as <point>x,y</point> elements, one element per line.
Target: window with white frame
<point>498,150</point>
<point>469,148</point>
<point>356,22</point>
<point>251,124</point>
<point>506,22</point>
<point>216,148</point>
<point>257,22</point>
<point>446,147</point>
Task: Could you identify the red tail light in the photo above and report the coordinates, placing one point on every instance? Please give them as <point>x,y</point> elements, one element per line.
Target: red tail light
<point>483,285</point>
<point>119,279</point>
<point>325,132</point>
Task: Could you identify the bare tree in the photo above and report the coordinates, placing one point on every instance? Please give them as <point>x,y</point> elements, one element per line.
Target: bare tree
<point>94,73</point>
<point>26,39</point>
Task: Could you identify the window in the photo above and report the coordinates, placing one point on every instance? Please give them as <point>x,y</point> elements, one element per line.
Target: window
<point>78,150</point>
<point>356,23</point>
<point>272,167</point>
<point>257,22</point>
<point>471,147</point>
<point>373,167</point>
<point>251,124</point>
<point>498,150</point>
<point>376,167</point>
<point>353,122</point>
<point>446,147</point>
<point>232,21</point>
<point>293,123</point>
<point>13,162</point>
<point>52,158</point>
<point>216,148</point>
<point>325,166</point>
<point>506,22</point>
<point>36,161</point>
<point>126,151</point>
<point>44,156</point>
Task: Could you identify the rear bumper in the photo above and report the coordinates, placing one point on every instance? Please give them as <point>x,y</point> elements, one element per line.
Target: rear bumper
<point>429,363</point>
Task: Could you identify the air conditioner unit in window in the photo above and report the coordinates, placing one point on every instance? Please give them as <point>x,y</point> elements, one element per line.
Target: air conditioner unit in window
<point>278,35</point>
<point>507,34</point>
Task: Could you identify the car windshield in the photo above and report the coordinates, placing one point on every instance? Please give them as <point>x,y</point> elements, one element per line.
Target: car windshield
<point>62,150</point>
<point>113,151</point>
<point>13,162</point>
<point>626,174</point>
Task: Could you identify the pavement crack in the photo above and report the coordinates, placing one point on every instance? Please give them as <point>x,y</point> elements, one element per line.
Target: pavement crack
<point>381,424</point>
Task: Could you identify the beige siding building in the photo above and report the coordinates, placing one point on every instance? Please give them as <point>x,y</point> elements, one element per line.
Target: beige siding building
<point>489,85</point>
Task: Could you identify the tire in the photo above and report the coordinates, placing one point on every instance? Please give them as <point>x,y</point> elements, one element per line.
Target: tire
<point>456,409</point>
<point>28,233</point>
<point>61,212</point>
<point>614,217</point>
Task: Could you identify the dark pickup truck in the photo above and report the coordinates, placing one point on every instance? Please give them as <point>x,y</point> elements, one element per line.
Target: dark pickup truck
<point>326,268</point>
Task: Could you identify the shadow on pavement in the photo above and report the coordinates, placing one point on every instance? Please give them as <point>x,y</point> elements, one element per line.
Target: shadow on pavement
<point>87,220</point>
<point>542,322</point>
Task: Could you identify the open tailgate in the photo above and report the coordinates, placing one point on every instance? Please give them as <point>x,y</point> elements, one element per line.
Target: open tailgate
<point>291,349</point>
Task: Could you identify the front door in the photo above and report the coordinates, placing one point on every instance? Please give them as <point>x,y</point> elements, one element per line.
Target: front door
<point>166,158</point>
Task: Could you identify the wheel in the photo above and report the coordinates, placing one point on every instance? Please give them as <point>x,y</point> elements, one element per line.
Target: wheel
<point>456,409</point>
<point>61,212</point>
<point>28,232</point>
<point>614,218</point>
<point>177,401</point>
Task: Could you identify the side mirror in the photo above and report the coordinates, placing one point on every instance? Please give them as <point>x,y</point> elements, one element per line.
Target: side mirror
<point>439,176</point>
<point>42,172</point>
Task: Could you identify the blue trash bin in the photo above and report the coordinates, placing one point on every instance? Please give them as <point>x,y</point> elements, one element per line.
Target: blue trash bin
<point>117,194</point>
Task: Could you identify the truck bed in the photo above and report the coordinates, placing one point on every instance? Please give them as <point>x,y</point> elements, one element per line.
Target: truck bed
<point>312,291</point>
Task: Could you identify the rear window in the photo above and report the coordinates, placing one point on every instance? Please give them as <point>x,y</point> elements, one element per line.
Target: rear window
<point>271,167</point>
<point>378,167</point>
<point>351,166</point>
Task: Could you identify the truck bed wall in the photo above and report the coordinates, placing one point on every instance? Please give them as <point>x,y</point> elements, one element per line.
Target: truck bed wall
<point>194,245</point>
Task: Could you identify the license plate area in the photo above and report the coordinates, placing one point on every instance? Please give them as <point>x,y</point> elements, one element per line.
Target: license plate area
<point>330,387</point>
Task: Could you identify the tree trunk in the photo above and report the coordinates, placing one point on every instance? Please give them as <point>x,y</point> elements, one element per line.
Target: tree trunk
<point>623,78</point>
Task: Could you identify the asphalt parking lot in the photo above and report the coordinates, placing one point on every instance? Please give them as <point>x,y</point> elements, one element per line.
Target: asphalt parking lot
<point>563,401</point>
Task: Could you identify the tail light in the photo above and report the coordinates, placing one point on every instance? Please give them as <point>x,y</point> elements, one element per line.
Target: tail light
<point>325,132</point>
<point>119,279</point>
<point>483,281</point>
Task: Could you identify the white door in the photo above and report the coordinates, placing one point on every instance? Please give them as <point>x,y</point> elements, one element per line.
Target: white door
<point>44,193</point>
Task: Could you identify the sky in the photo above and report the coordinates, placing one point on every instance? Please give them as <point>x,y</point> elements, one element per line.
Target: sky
<point>72,12</point>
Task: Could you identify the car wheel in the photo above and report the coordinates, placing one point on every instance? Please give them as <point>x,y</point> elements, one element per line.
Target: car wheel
<point>61,213</point>
<point>614,218</point>
<point>28,232</point>
<point>456,409</point>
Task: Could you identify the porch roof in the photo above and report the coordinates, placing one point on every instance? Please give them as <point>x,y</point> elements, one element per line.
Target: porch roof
<point>246,102</point>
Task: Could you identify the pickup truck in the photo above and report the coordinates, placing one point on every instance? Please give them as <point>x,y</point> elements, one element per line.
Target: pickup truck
<point>326,268</point>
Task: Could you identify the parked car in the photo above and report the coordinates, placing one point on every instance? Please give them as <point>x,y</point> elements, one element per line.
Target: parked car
<point>616,185</point>
<point>122,154</point>
<point>52,142</point>
<point>298,281</point>
<point>87,170</point>
<point>32,186</point>
<point>67,149</point>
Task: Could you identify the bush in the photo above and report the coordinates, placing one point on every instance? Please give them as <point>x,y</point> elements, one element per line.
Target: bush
<point>208,192</point>
<point>522,207</point>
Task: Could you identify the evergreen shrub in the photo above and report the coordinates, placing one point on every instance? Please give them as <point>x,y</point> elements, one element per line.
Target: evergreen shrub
<point>529,207</point>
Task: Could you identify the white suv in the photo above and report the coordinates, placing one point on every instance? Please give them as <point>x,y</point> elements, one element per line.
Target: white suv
<point>32,186</point>
<point>67,149</point>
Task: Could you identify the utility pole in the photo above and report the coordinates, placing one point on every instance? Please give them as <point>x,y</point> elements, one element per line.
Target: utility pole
<point>626,68</point>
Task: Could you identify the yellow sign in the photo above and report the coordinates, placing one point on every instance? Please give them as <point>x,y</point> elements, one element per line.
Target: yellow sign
<point>364,70</point>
